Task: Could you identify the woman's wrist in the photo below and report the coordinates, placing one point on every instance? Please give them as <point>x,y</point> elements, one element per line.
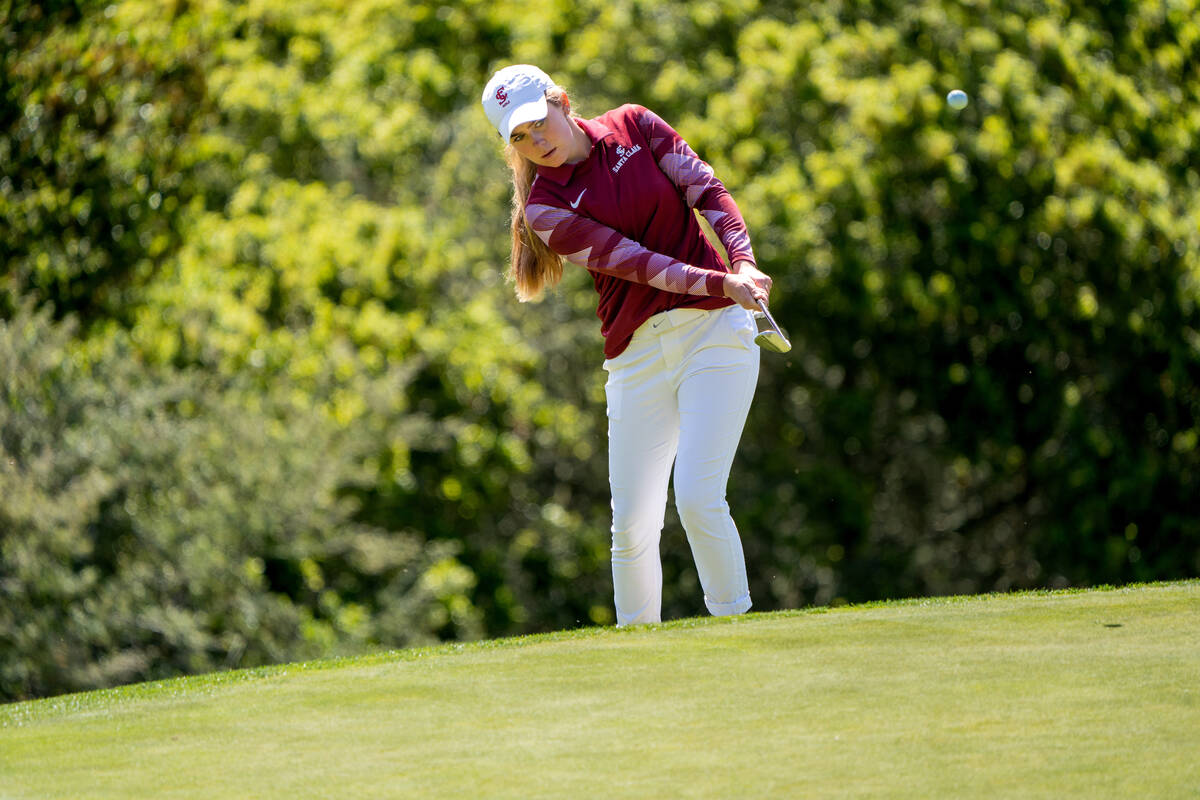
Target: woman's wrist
<point>731,285</point>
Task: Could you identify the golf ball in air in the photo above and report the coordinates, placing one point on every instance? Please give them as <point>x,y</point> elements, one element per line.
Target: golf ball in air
<point>957,99</point>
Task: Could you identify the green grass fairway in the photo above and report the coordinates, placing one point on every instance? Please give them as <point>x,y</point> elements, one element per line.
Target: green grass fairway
<point>1090,694</point>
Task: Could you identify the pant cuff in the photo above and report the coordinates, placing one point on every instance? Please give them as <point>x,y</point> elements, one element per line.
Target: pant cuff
<point>739,606</point>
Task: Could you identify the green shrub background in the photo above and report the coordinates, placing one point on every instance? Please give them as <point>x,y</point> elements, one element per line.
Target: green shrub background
<point>267,396</point>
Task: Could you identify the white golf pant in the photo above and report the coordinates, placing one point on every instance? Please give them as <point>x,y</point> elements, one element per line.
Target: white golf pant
<point>678,395</point>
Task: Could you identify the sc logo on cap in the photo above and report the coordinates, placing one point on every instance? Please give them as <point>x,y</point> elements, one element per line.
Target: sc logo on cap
<point>502,97</point>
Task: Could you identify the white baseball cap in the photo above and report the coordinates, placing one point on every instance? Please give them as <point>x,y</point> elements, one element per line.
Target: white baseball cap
<point>516,95</point>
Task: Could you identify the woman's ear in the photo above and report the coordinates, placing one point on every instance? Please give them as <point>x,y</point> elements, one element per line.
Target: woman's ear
<point>566,104</point>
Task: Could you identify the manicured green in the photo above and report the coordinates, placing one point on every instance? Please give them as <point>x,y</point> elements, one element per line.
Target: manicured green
<point>1091,694</point>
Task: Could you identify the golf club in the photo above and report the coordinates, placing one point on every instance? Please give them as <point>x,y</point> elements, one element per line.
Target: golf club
<point>770,335</point>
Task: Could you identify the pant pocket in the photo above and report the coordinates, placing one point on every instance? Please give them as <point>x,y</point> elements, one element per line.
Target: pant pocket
<point>738,325</point>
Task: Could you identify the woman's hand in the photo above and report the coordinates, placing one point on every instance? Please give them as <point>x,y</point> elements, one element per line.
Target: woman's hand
<point>760,278</point>
<point>744,290</point>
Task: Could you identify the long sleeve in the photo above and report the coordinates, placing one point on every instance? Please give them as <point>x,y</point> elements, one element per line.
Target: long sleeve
<point>601,249</point>
<point>700,187</point>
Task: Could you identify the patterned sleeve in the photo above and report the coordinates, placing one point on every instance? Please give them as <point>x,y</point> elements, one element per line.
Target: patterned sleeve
<point>597,247</point>
<point>699,185</point>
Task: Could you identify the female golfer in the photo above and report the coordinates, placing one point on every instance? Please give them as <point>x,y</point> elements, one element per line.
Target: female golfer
<point>615,194</point>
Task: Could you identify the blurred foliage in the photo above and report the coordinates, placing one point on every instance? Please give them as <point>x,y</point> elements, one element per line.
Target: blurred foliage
<point>267,395</point>
<point>159,521</point>
<point>95,156</point>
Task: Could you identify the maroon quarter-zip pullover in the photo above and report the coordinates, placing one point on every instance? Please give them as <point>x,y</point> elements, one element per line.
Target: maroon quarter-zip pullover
<point>625,214</point>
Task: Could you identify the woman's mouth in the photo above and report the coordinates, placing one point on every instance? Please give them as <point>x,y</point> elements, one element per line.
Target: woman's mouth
<point>549,152</point>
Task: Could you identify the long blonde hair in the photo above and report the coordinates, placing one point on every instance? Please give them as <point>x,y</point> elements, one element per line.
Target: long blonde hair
<point>533,265</point>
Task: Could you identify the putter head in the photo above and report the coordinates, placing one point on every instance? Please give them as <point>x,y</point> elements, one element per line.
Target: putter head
<point>770,336</point>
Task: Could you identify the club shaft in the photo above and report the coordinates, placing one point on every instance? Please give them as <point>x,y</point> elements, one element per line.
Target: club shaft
<point>763,307</point>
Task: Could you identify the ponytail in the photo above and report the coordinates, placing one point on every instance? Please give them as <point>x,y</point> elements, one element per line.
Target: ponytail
<point>533,265</point>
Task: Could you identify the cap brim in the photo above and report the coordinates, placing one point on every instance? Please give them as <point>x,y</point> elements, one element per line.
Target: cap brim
<point>526,112</point>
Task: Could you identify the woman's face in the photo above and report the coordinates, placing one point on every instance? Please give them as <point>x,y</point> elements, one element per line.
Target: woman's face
<point>546,142</point>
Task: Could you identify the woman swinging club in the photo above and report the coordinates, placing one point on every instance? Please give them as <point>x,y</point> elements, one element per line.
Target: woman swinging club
<point>615,194</point>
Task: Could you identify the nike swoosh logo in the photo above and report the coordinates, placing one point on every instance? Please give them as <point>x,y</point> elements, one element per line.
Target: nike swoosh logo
<point>577,199</point>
